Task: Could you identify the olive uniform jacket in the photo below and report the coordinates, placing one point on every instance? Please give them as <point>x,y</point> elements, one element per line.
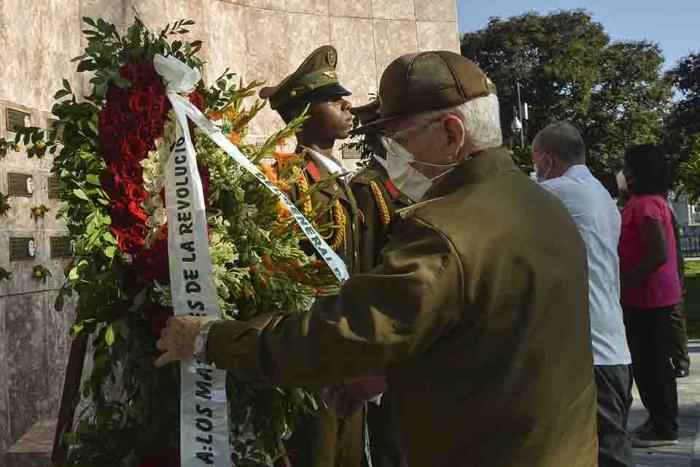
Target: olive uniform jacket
<point>325,440</point>
<point>378,200</point>
<point>479,315</point>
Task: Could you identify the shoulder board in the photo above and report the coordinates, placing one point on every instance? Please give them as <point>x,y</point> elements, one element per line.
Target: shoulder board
<point>391,188</point>
<point>313,171</point>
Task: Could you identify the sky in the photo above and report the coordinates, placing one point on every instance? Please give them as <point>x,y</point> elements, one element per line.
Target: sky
<point>673,24</point>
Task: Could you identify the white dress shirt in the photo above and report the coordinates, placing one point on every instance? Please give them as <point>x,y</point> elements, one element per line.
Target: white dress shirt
<point>598,220</point>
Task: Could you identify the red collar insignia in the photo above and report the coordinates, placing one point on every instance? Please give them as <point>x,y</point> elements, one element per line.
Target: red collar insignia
<point>313,171</point>
<point>391,188</point>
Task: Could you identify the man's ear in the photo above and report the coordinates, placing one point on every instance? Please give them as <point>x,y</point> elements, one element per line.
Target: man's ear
<point>456,133</point>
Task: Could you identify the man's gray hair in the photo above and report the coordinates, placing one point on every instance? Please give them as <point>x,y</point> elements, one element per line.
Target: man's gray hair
<point>563,141</point>
<point>481,119</point>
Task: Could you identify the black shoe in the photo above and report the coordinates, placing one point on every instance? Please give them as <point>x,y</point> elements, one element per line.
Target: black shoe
<point>682,372</point>
<point>643,428</point>
<point>652,439</point>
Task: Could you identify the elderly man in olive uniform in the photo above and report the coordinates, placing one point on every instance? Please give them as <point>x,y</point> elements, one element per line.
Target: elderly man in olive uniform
<point>478,312</point>
<point>325,440</point>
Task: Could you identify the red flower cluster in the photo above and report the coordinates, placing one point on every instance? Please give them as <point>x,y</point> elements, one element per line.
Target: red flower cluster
<point>129,124</point>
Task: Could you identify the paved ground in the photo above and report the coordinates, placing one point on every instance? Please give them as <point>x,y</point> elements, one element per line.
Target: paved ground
<point>687,453</point>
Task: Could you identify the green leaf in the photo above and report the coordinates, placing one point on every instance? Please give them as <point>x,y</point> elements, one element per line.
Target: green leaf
<point>110,251</point>
<point>80,194</point>
<point>109,335</point>
<point>73,274</point>
<point>93,179</point>
<point>76,329</point>
<point>61,93</point>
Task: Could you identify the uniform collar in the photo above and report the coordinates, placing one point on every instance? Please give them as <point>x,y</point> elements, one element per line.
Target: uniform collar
<point>478,167</point>
<point>326,163</point>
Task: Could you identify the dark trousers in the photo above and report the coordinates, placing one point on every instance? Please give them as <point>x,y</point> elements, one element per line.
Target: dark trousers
<point>649,336</point>
<point>679,342</point>
<point>614,385</point>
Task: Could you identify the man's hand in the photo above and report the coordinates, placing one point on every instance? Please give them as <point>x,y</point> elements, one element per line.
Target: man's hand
<point>177,339</point>
<point>346,398</point>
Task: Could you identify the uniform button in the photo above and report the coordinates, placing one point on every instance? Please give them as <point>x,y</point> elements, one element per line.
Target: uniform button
<point>335,187</point>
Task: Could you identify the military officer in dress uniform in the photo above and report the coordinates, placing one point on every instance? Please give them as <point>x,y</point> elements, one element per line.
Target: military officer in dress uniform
<point>478,311</point>
<point>378,201</point>
<point>326,440</point>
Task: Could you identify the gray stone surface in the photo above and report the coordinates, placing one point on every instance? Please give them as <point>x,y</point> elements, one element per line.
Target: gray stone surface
<point>34,448</point>
<point>687,452</point>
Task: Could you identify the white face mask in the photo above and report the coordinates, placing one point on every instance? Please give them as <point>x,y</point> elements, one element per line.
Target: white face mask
<point>408,180</point>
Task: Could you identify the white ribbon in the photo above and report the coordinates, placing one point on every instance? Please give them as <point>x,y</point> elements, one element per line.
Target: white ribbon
<point>204,436</point>
<point>203,405</point>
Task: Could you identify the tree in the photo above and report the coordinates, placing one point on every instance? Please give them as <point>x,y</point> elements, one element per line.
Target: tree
<point>683,138</point>
<point>569,69</point>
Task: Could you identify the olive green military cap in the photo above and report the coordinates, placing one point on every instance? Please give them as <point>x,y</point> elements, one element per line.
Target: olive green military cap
<point>424,81</point>
<point>316,77</point>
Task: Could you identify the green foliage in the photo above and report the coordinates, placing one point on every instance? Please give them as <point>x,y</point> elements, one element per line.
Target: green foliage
<point>4,205</point>
<point>570,70</point>
<point>40,273</point>
<point>683,139</point>
<point>5,275</point>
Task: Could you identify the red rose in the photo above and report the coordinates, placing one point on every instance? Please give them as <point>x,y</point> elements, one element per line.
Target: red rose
<point>139,101</point>
<point>132,172</point>
<point>136,192</point>
<point>197,99</point>
<point>129,244</point>
<point>130,73</point>
<point>158,106</point>
<point>134,148</point>
<point>135,209</point>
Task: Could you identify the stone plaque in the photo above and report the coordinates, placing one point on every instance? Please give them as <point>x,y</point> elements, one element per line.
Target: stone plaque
<point>22,248</point>
<point>60,247</point>
<point>17,118</point>
<point>351,153</point>
<point>54,187</point>
<point>19,184</point>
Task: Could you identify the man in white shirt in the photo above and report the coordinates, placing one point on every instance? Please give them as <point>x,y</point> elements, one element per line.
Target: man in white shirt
<point>558,153</point>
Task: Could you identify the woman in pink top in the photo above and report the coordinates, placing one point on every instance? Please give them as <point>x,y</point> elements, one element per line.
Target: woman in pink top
<point>650,289</point>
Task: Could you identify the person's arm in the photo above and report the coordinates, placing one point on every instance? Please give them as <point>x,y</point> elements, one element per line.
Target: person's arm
<point>656,252</point>
<point>390,314</point>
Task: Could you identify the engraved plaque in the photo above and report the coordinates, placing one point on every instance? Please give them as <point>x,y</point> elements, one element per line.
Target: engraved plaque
<point>20,248</point>
<point>18,185</point>
<point>54,187</point>
<point>17,118</point>
<point>351,153</point>
<point>60,247</point>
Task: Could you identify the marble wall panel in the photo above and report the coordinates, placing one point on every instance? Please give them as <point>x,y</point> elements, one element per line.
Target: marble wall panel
<point>436,10</point>
<point>438,35</point>
<point>41,39</point>
<point>227,40</point>
<point>354,40</point>
<point>393,9</point>
<point>318,7</point>
<point>391,40</point>
<point>57,348</point>
<point>5,428</point>
<point>113,11</point>
<point>352,8</point>
<point>25,325</point>
<point>266,4</point>
<point>305,33</point>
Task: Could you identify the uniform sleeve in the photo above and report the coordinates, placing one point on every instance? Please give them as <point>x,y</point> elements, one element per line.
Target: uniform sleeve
<point>393,313</point>
<point>369,234</point>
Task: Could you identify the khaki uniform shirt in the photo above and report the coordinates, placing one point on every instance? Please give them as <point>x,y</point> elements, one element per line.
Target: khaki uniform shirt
<point>478,313</point>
